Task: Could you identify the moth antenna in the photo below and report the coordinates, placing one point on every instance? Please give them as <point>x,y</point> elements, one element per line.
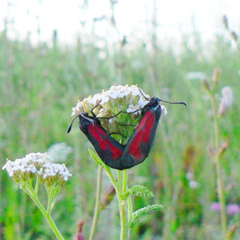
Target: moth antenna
<point>183,103</point>
<point>141,91</point>
<point>113,115</point>
<point>80,114</point>
<point>95,107</point>
<point>70,126</point>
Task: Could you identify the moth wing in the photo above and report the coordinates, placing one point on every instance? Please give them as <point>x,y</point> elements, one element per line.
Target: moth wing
<point>139,145</point>
<point>108,149</point>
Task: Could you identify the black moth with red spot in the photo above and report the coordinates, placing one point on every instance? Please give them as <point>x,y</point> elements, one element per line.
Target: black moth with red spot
<point>140,143</point>
<point>138,147</point>
<point>108,149</point>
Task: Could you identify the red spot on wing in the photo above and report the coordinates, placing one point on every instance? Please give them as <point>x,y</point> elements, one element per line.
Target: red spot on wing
<point>143,132</point>
<point>104,142</point>
<point>147,126</point>
<point>98,135</point>
<point>134,149</point>
<point>116,152</point>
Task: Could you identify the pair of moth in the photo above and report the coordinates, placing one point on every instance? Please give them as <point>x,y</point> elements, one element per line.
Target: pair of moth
<point>137,148</point>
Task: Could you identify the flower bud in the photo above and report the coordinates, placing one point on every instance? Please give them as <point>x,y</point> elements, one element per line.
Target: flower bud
<point>80,235</point>
<point>111,192</point>
<point>226,101</point>
<point>223,148</point>
<point>234,35</point>
<point>225,22</point>
<point>216,74</point>
<point>206,85</point>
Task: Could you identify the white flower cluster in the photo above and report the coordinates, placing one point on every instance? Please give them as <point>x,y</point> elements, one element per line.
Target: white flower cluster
<point>117,98</point>
<point>36,164</point>
<point>52,173</point>
<point>128,99</point>
<point>226,101</point>
<point>25,167</point>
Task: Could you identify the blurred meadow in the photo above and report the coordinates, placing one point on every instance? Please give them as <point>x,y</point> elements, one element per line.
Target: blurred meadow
<point>40,83</point>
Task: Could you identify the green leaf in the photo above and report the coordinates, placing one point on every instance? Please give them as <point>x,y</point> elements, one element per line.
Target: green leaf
<point>96,158</point>
<point>143,211</point>
<point>141,191</point>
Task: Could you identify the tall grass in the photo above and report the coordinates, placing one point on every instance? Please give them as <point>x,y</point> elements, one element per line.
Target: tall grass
<point>39,85</point>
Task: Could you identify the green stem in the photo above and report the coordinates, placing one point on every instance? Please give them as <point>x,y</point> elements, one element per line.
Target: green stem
<point>121,188</point>
<point>112,179</point>
<point>49,206</point>
<point>123,180</point>
<point>49,220</point>
<point>97,204</point>
<point>37,185</point>
<point>216,124</point>
<point>29,190</point>
<point>218,168</point>
<point>130,209</point>
<point>222,199</point>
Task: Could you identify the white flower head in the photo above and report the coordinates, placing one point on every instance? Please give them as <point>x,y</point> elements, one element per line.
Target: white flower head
<point>26,167</point>
<point>127,100</point>
<point>54,173</point>
<point>133,109</point>
<point>226,101</point>
<point>117,98</point>
<point>37,164</point>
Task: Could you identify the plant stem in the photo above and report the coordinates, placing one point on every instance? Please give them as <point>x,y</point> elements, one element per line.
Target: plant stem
<point>130,209</point>
<point>37,185</point>
<point>112,179</point>
<point>32,194</point>
<point>218,168</point>
<point>97,204</point>
<point>49,206</point>
<point>49,220</point>
<point>123,180</point>
<point>121,188</point>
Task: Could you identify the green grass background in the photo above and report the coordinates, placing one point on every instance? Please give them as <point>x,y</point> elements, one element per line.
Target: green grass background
<point>40,84</point>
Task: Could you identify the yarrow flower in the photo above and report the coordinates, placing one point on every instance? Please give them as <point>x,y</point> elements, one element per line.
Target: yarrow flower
<point>54,173</point>
<point>26,167</point>
<point>226,101</point>
<point>36,164</point>
<point>118,98</point>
